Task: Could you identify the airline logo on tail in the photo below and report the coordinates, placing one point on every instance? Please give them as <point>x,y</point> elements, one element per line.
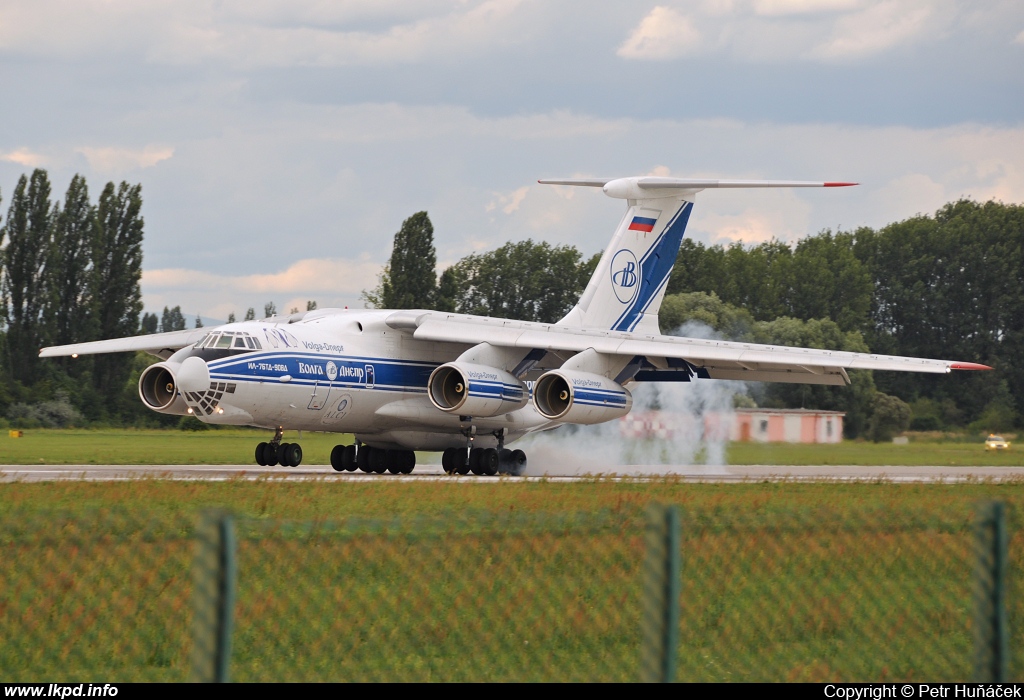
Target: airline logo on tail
<point>624,276</point>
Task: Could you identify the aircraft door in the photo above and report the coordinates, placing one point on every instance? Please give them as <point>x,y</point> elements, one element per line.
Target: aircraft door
<point>322,390</point>
<point>369,376</point>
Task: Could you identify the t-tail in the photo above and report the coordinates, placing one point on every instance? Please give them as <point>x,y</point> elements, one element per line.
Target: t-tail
<point>629,283</point>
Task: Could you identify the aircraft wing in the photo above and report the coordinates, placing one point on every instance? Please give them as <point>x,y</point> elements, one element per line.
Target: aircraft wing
<point>159,344</point>
<point>714,359</point>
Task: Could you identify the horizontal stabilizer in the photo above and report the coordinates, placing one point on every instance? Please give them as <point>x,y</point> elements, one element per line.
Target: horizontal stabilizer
<point>618,187</point>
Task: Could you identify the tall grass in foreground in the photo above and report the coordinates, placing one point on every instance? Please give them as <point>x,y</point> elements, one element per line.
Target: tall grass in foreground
<point>518,582</point>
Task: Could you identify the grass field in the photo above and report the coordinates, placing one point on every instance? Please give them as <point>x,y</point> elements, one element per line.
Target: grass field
<point>489,581</point>
<point>236,446</point>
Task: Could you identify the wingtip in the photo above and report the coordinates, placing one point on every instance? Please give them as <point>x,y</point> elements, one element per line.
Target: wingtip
<point>841,184</point>
<point>969,366</point>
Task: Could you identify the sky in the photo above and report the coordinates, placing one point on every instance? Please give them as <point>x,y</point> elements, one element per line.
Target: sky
<point>280,145</point>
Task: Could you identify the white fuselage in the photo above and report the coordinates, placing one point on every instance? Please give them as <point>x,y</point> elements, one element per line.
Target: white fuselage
<point>344,372</point>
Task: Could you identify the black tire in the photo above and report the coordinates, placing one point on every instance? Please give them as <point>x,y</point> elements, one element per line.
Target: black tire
<point>378,461</point>
<point>284,454</point>
<point>489,461</point>
<point>460,461</point>
<point>393,459</point>
<point>348,458</point>
<point>336,458</point>
<point>408,461</point>
<point>474,460</point>
<point>517,463</point>
<point>294,454</point>
<point>260,459</point>
<point>363,459</point>
<point>446,461</point>
<point>270,454</point>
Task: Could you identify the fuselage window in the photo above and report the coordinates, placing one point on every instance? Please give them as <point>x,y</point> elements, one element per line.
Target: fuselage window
<point>223,342</point>
<point>202,340</point>
<point>248,343</point>
<point>239,343</point>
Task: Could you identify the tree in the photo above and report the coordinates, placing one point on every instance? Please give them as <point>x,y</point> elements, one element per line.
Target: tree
<point>890,416</point>
<point>231,317</point>
<point>310,306</point>
<point>409,280</point>
<point>526,280</point>
<point>199,321</point>
<point>28,232</point>
<point>172,320</point>
<point>69,267</point>
<point>269,309</point>
<point>150,324</point>
<point>250,314</point>
<point>117,269</point>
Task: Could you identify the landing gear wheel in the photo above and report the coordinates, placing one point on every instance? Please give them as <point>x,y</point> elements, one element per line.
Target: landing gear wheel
<point>348,458</point>
<point>517,463</point>
<point>408,461</point>
<point>260,459</point>
<point>394,461</point>
<point>488,462</point>
<point>363,460</point>
<point>460,461</point>
<point>292,455</point>
<point>448,461</point>
<point>336,458</point>
<point>378,461</point>
<point>474,461</point>
<point>270,454</point>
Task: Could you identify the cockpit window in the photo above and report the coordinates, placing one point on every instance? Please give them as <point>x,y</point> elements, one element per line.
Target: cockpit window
<point>222,343</point>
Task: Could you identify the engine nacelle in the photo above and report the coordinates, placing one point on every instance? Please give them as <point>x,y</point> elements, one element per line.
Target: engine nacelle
<point>475,390</point>
<point>158,389</point>
<point>580,397</point>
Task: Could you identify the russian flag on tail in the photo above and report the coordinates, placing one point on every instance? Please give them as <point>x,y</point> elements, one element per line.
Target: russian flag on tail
<point>642,223</point>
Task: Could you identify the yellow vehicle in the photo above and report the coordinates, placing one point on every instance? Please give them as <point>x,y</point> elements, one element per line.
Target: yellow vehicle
<point>995,442</point>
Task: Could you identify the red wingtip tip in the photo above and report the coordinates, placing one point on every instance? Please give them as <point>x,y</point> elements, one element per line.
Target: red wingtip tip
<point>841,184</point>
<point>968,365</point>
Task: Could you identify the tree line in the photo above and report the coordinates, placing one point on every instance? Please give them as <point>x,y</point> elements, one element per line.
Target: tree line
<point>944,286</point>
<point>69,272</point>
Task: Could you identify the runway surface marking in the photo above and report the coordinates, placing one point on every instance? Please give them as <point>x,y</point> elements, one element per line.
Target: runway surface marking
<point>433,472</point>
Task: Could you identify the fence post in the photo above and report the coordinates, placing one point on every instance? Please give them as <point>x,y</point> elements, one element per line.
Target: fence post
<point>662,573</point>
<point>213,576</point>
<point>991,657</point>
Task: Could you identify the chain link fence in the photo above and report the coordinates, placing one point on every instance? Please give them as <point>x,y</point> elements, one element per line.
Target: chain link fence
<point>662,594</point>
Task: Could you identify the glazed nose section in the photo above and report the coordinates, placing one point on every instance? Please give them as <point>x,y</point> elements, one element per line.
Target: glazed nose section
<point>194,375</point>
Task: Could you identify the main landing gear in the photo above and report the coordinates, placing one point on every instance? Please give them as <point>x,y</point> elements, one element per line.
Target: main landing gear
<point>287,454</point>
<point>483,461</point>
<point>372,460</point>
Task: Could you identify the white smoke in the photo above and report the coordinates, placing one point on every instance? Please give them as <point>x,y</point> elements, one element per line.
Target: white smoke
<point>690,424</point>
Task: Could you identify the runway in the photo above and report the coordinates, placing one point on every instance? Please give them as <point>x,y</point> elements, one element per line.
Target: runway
<point>433,472</point>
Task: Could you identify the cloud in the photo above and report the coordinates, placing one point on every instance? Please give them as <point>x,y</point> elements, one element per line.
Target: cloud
<point>879,27</point>
<point>663,34</point>
<point>509,203</point>
<point>24,157</point>
<point>784,8</point>
<point>1020,38</point>
<point>329,281</point>
<point>111,159</point>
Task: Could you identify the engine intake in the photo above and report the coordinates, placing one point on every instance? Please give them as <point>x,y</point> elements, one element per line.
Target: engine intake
<point>475,390</point>
<point>158,389</point>
<point>580,397</point>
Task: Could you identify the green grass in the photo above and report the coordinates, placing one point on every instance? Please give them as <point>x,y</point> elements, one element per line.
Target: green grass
<point>236,446</point>
<point>400,580</point>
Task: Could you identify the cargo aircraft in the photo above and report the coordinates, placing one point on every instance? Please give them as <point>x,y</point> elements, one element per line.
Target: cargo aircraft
<point>471,385</point>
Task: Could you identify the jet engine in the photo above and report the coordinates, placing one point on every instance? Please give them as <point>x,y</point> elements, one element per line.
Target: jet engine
<point>475,390</point>
<point>569,396</point>
<point>158,389</point>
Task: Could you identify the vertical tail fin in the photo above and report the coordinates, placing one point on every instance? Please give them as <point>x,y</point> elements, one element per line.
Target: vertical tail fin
<point>629,283</point>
